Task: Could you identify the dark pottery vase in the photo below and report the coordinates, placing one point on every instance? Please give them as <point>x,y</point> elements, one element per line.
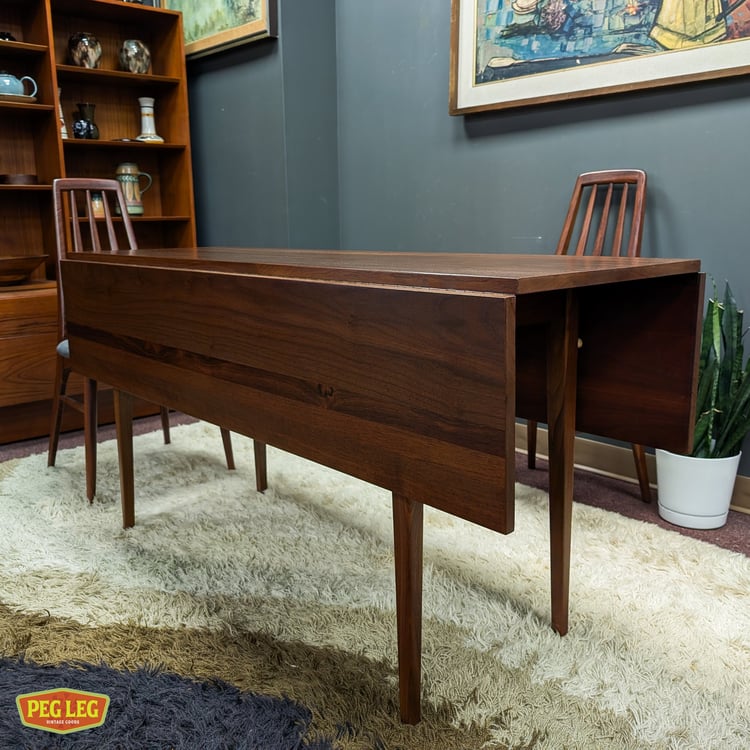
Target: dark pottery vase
<point>85,50</point>
<point>83,122</point>
<point>135,56</point>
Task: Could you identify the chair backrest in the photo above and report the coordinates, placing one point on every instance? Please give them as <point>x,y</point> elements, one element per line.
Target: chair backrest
<point>606,208</point>
<point>80,227</point>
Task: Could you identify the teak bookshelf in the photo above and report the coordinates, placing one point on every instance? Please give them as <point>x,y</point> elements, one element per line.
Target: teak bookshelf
<point>31,143</point>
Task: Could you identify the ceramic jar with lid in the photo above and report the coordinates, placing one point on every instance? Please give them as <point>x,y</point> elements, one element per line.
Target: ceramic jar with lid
<point>85,50</point>
<point>135,56</point>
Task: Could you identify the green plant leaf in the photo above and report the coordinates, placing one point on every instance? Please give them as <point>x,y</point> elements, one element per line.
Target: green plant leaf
<point>723,393</point>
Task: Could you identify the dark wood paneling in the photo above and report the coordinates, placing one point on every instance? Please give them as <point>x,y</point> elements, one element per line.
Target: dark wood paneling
<point>410,389</point>
<point>637,361</point>
<point>32,420</point>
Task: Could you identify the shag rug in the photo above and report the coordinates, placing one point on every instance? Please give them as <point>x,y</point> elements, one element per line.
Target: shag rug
<point>231,619</point>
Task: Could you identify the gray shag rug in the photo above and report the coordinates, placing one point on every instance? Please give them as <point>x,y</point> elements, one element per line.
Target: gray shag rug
<point>151,708</point>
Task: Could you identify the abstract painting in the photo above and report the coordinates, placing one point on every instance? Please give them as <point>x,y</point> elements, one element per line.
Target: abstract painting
<point>508,53</point>
<point>214,25</point>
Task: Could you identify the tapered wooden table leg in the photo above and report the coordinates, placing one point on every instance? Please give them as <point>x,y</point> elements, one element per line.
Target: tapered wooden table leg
<point>124,429</point>
<point>562,359</point>
<point>407,537</point>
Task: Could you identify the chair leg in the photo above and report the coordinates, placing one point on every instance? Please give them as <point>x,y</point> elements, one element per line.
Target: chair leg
<point>61,383</point>
<point>165,424</point>
<point>261,468</point>
<point>89,434</point>
<point>641,468</point>
<point>531,443</point>
<point>226,438</point>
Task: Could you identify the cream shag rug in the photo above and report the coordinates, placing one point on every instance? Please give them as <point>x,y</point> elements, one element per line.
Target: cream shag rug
<point>658,653</point>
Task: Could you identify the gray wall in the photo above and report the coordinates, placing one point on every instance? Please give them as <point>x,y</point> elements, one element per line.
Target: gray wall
<point>501,181</point>
<point>264,132</point>
<point>338,134</point>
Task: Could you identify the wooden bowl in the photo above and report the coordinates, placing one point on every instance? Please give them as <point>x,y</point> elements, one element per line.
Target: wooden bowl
<point>19,179</point>
<point>15,269</point>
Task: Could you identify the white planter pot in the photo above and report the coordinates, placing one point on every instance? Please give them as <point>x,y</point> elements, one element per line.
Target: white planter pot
<point>695,492</point>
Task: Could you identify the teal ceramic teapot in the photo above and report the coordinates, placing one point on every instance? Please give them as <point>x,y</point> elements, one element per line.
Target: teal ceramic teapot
<point>9,84</point>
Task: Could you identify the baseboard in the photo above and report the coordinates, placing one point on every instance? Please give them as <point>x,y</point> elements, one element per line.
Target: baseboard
<point>616,461</point>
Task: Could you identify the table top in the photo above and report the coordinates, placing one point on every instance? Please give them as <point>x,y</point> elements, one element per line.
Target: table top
<point>488,272</point>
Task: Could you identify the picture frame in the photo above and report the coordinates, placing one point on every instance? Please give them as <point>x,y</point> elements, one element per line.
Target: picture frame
<point>515,53</point>
<point>211,26</point>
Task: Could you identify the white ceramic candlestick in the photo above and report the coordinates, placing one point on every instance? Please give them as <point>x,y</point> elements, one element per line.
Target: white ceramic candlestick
<point>148,124</point>
<point>63,128</point>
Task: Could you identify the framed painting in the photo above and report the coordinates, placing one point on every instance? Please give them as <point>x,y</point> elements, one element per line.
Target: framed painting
<point>511,53</point>
<point>214,25</point>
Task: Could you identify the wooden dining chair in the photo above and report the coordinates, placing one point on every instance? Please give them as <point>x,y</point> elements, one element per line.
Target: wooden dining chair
<point>605,217</point>
<point>85,221</point>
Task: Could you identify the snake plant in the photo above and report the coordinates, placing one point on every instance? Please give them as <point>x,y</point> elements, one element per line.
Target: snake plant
<point>723,402</point>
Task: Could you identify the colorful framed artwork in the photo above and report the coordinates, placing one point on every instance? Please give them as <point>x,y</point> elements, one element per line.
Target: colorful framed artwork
<point>511,53</point>
<point>214,25</point>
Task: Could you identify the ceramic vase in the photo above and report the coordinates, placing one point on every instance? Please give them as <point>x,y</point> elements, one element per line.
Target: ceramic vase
<point>85,50</point>
<point>83,122</point>
<point>148,123</point>
<point>135,56</point>
<point>97,205</point>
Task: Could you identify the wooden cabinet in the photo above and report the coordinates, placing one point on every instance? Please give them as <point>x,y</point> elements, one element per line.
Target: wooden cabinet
<point>168,219</point>
<point>31,143</point>
<point>28,331</point>
<point>29,139</point>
